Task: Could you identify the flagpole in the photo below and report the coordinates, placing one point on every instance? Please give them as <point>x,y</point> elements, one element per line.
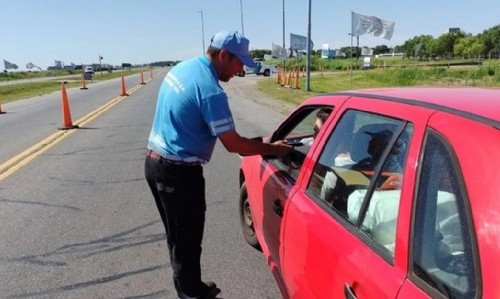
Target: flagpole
<point>350,61</point>
<point>308,68</point>
<point>350,69</point>
<point>357,55</point>
<point>284,59</point>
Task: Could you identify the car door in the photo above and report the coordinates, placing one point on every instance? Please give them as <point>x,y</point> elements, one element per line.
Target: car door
<point>279,176</point>
<point>452,193</point>
<point>343,232</point>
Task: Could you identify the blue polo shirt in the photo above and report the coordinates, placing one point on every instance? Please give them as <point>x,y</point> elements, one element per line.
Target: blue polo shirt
<point>191,111</point>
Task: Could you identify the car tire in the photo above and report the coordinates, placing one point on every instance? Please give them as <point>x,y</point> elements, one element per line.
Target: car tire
<point>267,73</point>
<point>246,218</point>
<point>241,74</point>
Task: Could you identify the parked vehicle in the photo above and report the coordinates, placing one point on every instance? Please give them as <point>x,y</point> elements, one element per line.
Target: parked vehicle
<point>260,69</point>
<point>89,69</point>
<point>394,195</point>
<point>88,74</point>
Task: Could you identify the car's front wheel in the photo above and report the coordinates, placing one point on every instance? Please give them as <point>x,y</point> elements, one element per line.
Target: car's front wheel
<point>246,220</point>
<point>267,73</point>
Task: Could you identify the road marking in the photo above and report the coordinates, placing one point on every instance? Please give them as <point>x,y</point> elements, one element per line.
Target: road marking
<point>26,156</point>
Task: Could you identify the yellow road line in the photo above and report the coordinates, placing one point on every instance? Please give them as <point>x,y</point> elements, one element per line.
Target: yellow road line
<point>13,164</point>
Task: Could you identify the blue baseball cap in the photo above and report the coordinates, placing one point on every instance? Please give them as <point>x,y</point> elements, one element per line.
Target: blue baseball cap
<point>234,43</point>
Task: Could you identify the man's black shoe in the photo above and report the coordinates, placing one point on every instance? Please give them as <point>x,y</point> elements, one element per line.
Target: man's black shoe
<point>211,290</point>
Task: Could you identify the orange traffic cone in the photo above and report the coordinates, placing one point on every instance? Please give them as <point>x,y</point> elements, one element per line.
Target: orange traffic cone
<point>296,81</point>
<point>124,90</point>
<point>289,78</point>
<point>67,123</point>
<point>1,112</point>
<point>84,86</point>
<point>142,78</point>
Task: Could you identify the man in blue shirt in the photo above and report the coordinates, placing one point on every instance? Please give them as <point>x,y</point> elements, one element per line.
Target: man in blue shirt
<point>192,112</point>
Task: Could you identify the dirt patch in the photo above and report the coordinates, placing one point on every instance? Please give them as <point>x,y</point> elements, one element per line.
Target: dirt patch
<point>246,87</point>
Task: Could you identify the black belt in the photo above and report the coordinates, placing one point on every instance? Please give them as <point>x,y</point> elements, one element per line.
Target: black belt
<point>157,156</point>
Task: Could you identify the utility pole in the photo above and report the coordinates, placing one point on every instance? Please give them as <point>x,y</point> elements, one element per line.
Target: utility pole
<point>100,64</point>
<point>202,31</point>
<point>350,69</point>
<point>241,10</point>
<point>308,67</point>
<point>284,24</point>
<point>284,63</point>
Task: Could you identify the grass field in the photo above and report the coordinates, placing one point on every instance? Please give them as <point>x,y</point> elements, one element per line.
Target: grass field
<point>12,92</point>
<point>486,75</point>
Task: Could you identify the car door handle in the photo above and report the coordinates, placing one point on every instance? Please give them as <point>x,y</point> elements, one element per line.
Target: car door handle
<point>349,292</point>
<point>277,208</point>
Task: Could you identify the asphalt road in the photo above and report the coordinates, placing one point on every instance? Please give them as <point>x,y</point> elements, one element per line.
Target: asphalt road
<point>78,220</point>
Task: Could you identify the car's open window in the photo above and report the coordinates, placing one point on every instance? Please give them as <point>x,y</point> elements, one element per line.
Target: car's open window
<point>300,131</point>
<point>359,173</point>
<point>443,246</point>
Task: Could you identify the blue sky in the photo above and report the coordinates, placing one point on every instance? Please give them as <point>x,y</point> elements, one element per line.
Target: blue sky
<point>142,31</point>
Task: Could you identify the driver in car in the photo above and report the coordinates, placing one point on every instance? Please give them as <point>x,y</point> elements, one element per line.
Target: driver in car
<point>376,146</point>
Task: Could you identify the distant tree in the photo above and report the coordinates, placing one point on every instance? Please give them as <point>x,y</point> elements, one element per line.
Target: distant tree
<point>491,41</point>
<point>468,47</point>
<point>433,49</point>
<point>259,53</point>
<point>356,52</point>
<point>445,43</point>
<point>418,46</point>
<point>381,50</point>
<point>398,49</point>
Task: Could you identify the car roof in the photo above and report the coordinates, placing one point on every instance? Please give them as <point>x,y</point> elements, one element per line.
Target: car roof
<point>470,102</point>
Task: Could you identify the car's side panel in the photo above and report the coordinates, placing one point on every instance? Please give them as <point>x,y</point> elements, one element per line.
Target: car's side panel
<point>253,168</point>
<point>265,205</point>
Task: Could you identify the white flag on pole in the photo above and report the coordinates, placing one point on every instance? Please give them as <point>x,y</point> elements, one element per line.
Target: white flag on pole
<point>278,51</point>
<point>299,42</point>
<point>31,65</point>
<point>9,65</point>
<point>370,25</point>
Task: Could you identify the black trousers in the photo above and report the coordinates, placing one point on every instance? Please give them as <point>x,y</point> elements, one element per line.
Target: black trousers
<point>179,192</point>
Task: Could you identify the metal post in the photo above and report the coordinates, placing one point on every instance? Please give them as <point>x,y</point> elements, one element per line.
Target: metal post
<point>357,51</point>
<point>202,31</point>
<point>100,64</point>
<point>241,10</point>
<point>308,68</point>
<point>284,65</point>
<point>350,69</point>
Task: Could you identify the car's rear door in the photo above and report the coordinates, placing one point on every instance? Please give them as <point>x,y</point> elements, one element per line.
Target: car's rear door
<point>453,245</point>
<point>349,240</point>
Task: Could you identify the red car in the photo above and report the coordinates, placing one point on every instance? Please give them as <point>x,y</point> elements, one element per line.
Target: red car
<point>390,193</point>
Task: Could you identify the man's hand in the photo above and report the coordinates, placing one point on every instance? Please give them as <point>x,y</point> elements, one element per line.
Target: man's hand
<point>234,143</point>
<point>281,148</point>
